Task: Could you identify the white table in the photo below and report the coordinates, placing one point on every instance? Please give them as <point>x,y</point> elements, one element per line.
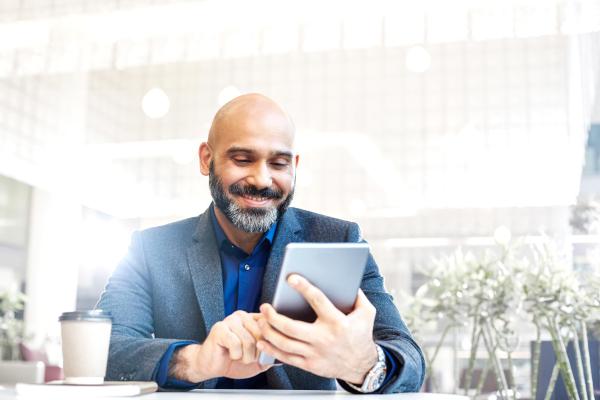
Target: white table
<point>8,393</point>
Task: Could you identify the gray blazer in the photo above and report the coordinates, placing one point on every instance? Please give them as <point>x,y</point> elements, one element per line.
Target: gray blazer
<point>169,287</point>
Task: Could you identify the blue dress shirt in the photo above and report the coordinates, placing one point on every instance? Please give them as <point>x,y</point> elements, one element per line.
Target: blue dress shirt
<point>242,284</point>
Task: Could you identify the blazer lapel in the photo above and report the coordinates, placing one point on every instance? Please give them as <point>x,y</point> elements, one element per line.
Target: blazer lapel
<point>204,263</point>
<point>287,232</point>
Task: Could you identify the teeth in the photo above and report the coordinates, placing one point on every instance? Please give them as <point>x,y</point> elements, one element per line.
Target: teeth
<point>255,198</point>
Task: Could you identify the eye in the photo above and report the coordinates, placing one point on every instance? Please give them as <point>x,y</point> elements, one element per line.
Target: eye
<point>241,160</point>
<point>280,163</point>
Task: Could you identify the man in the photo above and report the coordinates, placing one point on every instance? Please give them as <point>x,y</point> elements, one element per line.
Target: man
<point>190,301</point>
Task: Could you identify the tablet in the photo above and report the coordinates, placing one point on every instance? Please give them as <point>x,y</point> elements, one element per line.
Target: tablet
<point>335,268</point>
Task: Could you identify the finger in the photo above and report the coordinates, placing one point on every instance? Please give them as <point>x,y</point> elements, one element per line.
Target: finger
<point>248,342</point>
<point>290,359</point>
<point>226,338</point>
<point>282,342</point>
<point>250,322</point>
<point>295,329</point>
<point>315,297</point>
<point>362,305</point>
<point>263,368</point>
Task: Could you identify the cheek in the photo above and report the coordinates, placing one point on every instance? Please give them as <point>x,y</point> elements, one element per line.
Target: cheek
<point>284,181</point>
<point>231,176</point>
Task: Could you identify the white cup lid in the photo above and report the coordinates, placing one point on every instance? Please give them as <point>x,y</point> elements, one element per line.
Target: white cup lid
<point>87,315</point>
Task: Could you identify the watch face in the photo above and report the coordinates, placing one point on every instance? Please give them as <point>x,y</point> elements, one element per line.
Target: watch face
<point>377,375</point>
<point>377,380</point>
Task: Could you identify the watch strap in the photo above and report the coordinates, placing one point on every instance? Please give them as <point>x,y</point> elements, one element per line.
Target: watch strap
<point>376,375</point>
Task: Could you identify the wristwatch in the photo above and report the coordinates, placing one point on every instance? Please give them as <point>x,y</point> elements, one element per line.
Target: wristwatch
<point>375,376</point>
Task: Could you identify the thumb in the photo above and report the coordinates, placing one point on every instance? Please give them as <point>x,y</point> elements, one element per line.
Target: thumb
<point>362,304</point>
<point>361,299</point>
<point>265,367</point>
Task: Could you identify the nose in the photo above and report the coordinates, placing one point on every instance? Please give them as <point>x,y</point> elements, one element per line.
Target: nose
<point>260,176</point>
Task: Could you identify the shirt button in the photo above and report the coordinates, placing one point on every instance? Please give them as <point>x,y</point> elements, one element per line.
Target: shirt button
<point>247,267</point>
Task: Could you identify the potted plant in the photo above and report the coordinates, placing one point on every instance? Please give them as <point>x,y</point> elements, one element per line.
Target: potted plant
<point>563,304</point>
<point>480,294</point>
<point>512,284</point>
<point>12,329</point>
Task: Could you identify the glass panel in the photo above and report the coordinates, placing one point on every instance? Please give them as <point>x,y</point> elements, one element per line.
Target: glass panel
<point>14,212</point>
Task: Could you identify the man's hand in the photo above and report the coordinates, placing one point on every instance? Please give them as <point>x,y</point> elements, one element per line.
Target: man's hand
<point>229,351</point>
<point>334,346</point>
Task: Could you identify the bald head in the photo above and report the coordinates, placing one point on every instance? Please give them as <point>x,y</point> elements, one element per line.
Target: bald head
<point>251,163</point>
<point>247,113</point>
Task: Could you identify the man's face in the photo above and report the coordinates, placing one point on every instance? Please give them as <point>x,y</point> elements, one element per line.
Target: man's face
<point>248,219</point>
<point>251,170</point>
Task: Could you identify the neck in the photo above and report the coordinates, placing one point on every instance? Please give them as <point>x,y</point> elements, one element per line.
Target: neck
<point>244,240</point>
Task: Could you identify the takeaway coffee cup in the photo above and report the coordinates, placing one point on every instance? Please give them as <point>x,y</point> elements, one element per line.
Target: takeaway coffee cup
<point>85,340</point>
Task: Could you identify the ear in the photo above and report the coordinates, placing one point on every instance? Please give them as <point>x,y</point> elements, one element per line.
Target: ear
<point>296,159</point>
<point>205,156</point>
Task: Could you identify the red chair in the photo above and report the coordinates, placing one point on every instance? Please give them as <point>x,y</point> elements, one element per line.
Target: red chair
<point>53,372</point>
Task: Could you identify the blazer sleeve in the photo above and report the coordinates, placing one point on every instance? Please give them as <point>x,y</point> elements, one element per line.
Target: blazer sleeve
<point>134,353</point>
<point>389,330</point>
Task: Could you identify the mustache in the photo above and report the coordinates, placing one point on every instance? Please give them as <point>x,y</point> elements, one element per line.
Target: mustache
<point>251,190</point>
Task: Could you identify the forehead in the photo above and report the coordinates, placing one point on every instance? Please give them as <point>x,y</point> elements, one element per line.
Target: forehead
<point>257,130</point>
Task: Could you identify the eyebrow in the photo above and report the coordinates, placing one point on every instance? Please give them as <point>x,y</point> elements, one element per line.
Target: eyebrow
<point>236,149</point>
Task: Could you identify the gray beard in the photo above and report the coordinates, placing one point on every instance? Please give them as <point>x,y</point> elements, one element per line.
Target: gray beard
<point>250,220</point>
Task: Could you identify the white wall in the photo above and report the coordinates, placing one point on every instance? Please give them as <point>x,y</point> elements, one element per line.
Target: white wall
<point>51,279</point>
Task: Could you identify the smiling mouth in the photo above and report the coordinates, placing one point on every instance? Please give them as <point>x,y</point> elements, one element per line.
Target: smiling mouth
<point>255,201</point>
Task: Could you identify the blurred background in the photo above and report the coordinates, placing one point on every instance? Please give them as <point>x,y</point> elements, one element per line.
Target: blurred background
<point>429,123</point>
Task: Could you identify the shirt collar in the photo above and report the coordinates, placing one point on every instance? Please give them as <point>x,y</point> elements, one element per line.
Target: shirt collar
<point>222,238</point>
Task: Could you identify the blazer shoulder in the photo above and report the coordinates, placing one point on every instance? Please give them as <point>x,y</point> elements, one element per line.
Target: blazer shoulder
<point>323,228</point>
<point>181,230</point>
<point>312,217</point>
